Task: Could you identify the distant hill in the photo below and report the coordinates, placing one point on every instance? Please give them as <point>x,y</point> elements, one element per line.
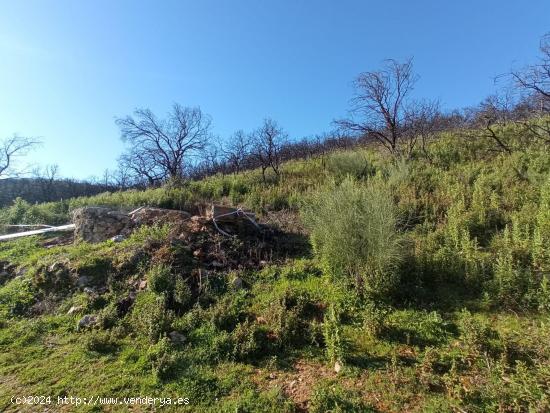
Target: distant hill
<point>44,190</point>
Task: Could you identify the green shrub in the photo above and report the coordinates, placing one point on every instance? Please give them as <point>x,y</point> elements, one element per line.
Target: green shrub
<point>229,311</point>
<point>374,317</point>
<point>353,230</point>
<point>336,345</point>
<point>16,298</point>
<point>100,342</point>
<point>162,359</point>
<point>250,341</point>
<point>108,316</point>
<point>476,332</point>
<point>160,279</point>
<point>149,316</point>
<point>173,287</point>
<point>181,294</point>
<point>348,163</point>
<point>418,327</point>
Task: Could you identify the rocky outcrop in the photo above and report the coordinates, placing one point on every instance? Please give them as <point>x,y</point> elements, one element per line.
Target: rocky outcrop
<point>96,224</point>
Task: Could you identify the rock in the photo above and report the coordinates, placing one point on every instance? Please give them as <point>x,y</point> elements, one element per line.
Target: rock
<point>176,337</point>
<point>4,277</point>
<point>337,367</point>
<point>142,285</point>
<point>96,224</point>
<point>88,320</point>
<point>118,238</point>
<point>89,290</point>
<point>41,307</point>
<point>83,281</point>
<point>75,309</point>
<point>237,283</point>
<point>123,305</point>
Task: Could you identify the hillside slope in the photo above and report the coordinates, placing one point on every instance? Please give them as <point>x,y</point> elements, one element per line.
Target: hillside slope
<point>457,320</point>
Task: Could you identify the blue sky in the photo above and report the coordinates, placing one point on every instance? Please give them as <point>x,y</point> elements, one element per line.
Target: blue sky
<point>68,68</point>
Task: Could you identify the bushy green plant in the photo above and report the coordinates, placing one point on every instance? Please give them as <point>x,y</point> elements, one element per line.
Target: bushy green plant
<point>374,315</point>
<point>100,341</point>
<point>173,287</point>
<point>347,163</point>
<point>229,311</point>
<point>149,316</point>
<point>421,328</point>
<point>336,345</point>
<point>16,298</point>
<point>162,359</point>
<point>250,341</point>
<point>160,279</point>
<point>353,230</point>
<point>476,332</point>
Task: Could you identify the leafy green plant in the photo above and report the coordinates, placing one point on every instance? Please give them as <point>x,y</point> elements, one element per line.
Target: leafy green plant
<point>353,230</point>
<point>149,316</point>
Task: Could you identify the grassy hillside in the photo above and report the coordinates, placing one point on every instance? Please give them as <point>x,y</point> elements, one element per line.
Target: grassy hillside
<point>419,285</point>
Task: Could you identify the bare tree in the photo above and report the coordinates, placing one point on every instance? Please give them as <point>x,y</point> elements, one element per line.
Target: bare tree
<point>122,178</point>
<point>46,179</point>
<point>237,150</point>
<point>422,122</point>
<point>162,148</point>
<point>141,167</point>
<point>378,109</point>
<point>490,117</point>
<point>535,79</point>
<point>267,144</point>
<point>13,148</point>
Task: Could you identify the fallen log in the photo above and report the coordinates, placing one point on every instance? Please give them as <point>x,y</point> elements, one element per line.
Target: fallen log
<point>62,228</point>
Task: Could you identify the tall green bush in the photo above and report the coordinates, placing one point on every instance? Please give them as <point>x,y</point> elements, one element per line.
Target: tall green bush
<point>353,231</point>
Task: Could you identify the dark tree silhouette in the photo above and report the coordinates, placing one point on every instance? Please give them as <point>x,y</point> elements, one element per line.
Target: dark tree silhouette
<point>159,149</point>
<point>268,142</point>
<point>378,109</point>
<point>236,150</point>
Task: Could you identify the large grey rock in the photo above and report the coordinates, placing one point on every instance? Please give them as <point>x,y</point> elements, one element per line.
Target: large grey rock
<point>96,224</point>
<point>83,281</point>
<point>176,337</point>
<point>88,320</point>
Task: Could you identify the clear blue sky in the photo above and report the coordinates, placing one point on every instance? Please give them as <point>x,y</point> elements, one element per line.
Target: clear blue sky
<point>68,68</point>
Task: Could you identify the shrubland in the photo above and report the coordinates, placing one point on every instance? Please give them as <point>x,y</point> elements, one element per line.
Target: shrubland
<point>407,285</point>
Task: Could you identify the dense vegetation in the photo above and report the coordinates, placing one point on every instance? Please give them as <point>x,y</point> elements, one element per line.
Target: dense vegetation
<point>46,190</point>
<point>424,287</point>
